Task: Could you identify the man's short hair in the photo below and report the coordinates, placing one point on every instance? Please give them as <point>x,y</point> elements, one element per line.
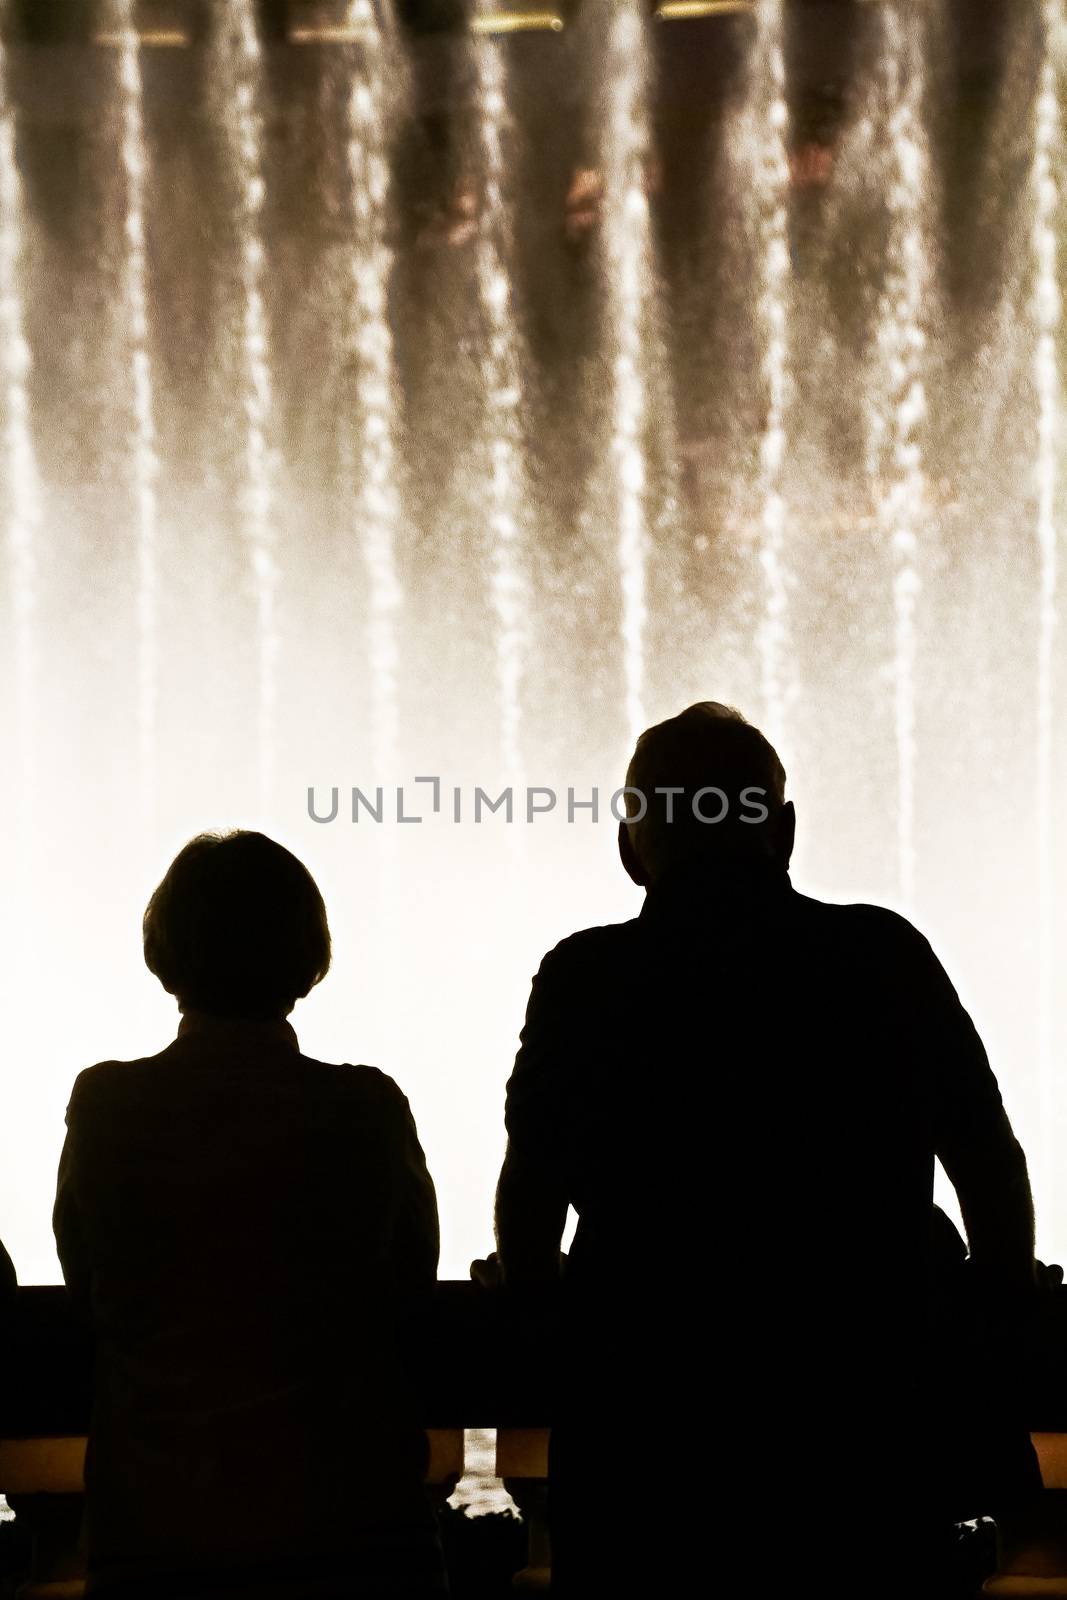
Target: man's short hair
<point>237,928</point>
<point>727,773</point>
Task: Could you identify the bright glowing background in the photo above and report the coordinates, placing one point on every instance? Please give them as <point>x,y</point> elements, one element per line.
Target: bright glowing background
<point>636,424</point>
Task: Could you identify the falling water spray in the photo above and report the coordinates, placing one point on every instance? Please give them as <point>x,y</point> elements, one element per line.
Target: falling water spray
<point>369,112</point>
<point>629,289</point>
<point>237,69</point>
<point>896,395</point>
<point>761,156</point>
<point>22,487</point>
<point>144,461</point>
<point>502,387</point>
<point>1047,317</point>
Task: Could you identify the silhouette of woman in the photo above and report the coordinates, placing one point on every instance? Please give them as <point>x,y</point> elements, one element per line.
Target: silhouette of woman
<point>244,1223</point>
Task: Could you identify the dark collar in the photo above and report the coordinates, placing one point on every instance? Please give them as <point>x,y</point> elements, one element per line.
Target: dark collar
<point>238,1030</point>
<point>705,888</point>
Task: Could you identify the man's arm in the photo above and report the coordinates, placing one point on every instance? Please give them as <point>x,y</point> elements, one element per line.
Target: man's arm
<point>987,1168</point>
<point>974,1141</point>
<point>531,1213</point>
<point>67,1225</point>
<point>532,1195</point>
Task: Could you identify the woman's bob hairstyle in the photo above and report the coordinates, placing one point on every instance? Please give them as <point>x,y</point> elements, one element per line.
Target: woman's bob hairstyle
<point>237,928</point>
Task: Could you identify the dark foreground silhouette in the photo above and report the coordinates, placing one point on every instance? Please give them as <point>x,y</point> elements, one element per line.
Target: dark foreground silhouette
<point>241,1224</point>
<point>8,1282</point>
<point>742,1092</point>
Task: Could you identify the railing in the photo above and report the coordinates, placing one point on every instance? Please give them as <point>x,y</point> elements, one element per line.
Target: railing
<point>479,1366</point>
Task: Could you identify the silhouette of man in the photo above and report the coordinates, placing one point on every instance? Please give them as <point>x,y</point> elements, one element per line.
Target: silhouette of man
<point>741,1092</point>
<point>242,1223</point>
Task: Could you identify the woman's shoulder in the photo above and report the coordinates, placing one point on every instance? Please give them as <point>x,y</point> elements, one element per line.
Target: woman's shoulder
<point>359,1081</point>
<point>110,1089</point>
<point>106,1077</point>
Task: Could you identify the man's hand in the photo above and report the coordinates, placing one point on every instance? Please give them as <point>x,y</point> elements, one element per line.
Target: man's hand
<point>486,1273</point>
<point>1048,1277</point>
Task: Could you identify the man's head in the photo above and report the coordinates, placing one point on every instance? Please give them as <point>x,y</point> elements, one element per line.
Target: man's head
<point>237,928</point>
<point>728,802</point>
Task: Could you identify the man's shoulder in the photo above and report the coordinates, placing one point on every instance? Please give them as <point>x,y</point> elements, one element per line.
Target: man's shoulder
<point>858,921</point>
<point>590,947</point>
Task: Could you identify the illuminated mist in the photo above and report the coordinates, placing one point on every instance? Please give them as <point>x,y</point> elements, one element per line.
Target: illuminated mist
<point>761,158</point>
<point>385,410</point>
<point>23,509</point>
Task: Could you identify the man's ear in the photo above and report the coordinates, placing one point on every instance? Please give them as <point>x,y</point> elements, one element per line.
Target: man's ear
<point>628,855</point>
<point>786,833</point>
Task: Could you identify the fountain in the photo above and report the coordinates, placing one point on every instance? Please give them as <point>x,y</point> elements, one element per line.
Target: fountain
<point>388,335</point>
<point>1047,312</point>
<point>503,365</point>
<point>895,399</point>
<point>144,461</point>
<point>23,509</point>
<point>760,140</point>
<point>369,346</point>
<point>626,263</point>
<point>236,90</point>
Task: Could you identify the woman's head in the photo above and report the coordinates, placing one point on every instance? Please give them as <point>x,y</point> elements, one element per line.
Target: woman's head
<point>237,928</point>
